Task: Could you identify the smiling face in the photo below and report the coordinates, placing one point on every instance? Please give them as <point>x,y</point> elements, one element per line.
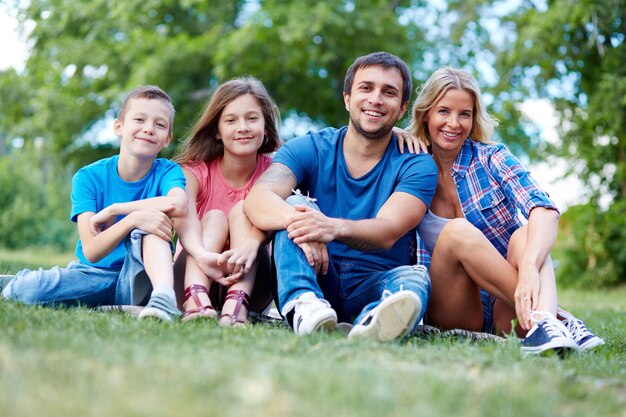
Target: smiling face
<point>375,101</point>
<point>241,126</point>
<point>145,127</point>
<point>449,122</point>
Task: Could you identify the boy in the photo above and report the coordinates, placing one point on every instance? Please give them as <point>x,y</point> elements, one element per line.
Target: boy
<point>123,206</point>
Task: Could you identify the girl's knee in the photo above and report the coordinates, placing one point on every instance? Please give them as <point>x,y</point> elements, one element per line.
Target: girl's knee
<point>214,220</point>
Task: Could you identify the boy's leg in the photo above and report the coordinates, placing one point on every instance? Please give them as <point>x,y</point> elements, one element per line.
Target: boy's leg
<point>397,303</point>
<point>298,289</point>
<point>76,284</point>
<point>148,270</point>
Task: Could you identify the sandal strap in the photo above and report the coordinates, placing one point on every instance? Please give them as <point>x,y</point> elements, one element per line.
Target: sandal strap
<point>242,299</point>
<point>192,292</point>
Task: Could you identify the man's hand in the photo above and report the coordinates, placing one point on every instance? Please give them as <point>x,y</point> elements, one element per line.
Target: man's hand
<point>309,225</point>
<point>316,255</point>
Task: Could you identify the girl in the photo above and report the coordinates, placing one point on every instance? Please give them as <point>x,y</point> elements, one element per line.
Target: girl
<point>487,268</point>
<point>221,159</point>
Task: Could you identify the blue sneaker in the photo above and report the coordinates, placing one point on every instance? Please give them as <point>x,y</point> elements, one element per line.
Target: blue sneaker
<point>547,334</point>
<point>160,306</point>
<point>581,335</point>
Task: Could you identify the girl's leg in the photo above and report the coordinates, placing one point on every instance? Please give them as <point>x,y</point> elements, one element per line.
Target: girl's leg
<point>236,305</point>
<point>214,236</point>
<point>463,262</point>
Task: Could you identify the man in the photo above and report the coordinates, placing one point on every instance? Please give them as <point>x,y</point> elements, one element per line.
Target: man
<point>349,256</point>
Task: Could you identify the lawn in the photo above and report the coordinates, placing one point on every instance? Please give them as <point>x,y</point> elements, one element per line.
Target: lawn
<point>82,363</point>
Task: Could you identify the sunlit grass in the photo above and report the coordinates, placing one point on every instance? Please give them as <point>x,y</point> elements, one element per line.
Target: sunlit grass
<point>81,363</point>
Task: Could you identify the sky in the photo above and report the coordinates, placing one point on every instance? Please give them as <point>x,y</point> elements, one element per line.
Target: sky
<point>14,53</point>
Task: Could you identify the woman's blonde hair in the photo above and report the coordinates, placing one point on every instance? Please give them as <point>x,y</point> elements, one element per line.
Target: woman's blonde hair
<point>202,144</point>
<point>439,83</point>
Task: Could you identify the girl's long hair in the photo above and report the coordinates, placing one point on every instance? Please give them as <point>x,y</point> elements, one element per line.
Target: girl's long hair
<point>202,144</point>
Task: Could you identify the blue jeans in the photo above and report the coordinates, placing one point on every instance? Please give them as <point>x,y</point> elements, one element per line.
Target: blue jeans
<point>351,291</point>
<point>84,284</point>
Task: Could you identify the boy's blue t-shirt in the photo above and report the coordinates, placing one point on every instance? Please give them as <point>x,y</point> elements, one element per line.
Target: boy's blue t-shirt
<point>318,163</point>
<point>97,186</point>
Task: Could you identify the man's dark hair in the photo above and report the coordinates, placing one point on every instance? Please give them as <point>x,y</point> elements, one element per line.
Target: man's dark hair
<point>384,60</point>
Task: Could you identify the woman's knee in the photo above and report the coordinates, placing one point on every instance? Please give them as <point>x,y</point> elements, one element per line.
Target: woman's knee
<point>460,232</point>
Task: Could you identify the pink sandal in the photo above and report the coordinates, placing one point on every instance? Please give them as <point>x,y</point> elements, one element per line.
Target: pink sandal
<point>201,311</point>
<point>243,299</point>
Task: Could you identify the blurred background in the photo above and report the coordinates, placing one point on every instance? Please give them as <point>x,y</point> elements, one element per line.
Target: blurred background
<point>552,71</point>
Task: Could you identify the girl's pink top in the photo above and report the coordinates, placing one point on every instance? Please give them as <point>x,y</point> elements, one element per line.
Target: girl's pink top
<point>214,193</point>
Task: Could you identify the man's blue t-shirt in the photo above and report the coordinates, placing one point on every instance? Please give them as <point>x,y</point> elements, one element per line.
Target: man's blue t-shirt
<point>98,185</point>
<point>319,165</point>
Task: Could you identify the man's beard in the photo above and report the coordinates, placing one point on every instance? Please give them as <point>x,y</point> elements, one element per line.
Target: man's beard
<point>378,134</point>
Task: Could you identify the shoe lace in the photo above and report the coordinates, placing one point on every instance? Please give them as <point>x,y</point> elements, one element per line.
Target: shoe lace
<point>551,325</point>
<point>578,329</point>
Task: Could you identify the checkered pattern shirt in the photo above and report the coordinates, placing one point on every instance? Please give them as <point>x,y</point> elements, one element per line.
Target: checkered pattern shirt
<point>493,186</point>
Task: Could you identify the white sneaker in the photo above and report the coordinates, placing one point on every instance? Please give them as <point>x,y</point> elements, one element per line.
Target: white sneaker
<point>580,333</point>
<point>393,318</point>
<point>311,314</point>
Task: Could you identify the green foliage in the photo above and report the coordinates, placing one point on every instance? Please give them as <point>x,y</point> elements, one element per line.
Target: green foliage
<point>84,59</point>
<point>590,248</point>
<point>34,202</point>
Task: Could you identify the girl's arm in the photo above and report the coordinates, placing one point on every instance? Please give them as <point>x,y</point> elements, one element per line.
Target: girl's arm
<point>245,239</point>
<point>188,227</point>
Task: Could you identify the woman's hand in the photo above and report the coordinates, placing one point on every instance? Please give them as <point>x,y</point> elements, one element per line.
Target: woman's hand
<point>526,295</point>
<point>411,142</point>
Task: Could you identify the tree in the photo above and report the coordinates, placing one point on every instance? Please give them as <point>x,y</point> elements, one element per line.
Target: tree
<point>83,59</point>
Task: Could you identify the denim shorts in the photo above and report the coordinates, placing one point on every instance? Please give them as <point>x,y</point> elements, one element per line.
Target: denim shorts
<point>488,302</point>
<point>84,284</point>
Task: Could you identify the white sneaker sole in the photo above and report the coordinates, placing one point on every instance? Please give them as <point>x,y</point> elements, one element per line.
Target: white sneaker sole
<point>561,345</point>
<point>326,322</point>
<point>592,343</point>
<point>154,313</point>
<point>395,318</point>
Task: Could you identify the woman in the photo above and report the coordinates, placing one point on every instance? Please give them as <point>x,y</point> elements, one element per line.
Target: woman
<point>487,267</point>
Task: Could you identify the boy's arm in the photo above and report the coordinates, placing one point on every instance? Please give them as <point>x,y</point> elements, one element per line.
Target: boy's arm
<point>174,205</point>
<point>97,246</point>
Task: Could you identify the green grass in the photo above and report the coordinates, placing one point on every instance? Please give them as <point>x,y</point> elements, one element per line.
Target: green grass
<point>32,258</point>
<point>81,363</point>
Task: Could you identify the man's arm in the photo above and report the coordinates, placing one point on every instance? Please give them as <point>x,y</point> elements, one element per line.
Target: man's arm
<point>265,204</point>
<point>400,213</point>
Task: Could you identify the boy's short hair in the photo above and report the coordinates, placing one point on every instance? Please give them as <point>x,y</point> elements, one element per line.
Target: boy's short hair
<point>148,92</point>
<point>383,60</point>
